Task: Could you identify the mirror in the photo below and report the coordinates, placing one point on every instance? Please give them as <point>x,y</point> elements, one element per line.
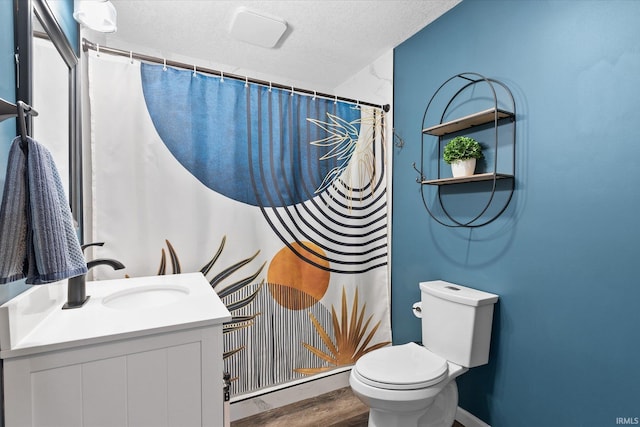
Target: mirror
<point>47,78</point>
<point>50,94</point>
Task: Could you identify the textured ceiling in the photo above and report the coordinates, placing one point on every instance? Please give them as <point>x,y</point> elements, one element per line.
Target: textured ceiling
<point>326,41</point>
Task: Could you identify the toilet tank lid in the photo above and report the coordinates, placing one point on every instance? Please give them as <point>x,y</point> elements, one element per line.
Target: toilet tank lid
<point>457,293</point>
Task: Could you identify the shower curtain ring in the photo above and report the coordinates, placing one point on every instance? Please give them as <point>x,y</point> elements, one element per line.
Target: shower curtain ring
<point>314,95</point>
<point>221,76</point>
<point>269,86</point>
<point>335,101</point>
<point>246,81</point>
<point>164,64</point>
<point>292,90</point>
<point>97,49</point>
<point>131,56</point>
<point>194,70</point>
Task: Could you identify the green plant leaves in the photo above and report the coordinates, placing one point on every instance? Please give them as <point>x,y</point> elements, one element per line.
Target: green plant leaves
<point>462,148</point>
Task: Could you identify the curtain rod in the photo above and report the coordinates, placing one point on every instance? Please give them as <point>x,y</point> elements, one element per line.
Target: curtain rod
<point>86,45</point>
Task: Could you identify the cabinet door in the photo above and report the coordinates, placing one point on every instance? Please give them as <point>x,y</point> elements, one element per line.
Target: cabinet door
<point>164,387</point>
<point>104,401</point>
<point>57,397</point>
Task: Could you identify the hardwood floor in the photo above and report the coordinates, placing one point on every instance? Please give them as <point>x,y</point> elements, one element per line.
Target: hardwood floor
<point>340,408</point>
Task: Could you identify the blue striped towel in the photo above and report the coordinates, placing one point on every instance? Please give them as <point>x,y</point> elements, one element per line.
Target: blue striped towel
<point>37,237</point>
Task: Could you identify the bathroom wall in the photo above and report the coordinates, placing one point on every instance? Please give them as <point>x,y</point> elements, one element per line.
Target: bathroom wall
<point>563,257</point>
<point>63,12</point>
<point>7,127</point>
<point>7,83</point>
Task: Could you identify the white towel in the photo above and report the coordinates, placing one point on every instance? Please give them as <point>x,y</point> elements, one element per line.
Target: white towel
<point>37,237</point>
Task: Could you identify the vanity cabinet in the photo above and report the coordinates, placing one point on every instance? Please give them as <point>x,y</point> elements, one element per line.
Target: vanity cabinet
<point>158,362</point>
<point>171,379</point>
<point>492,108</point>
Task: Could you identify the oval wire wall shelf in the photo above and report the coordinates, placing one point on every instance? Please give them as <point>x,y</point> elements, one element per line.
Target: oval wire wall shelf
<point>484,117</point>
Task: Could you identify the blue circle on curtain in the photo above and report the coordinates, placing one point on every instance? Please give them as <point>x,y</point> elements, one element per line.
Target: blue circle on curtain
<point>249,143</point>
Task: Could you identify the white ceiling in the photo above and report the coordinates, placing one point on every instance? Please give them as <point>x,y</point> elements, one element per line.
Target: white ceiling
<point>326,42</point>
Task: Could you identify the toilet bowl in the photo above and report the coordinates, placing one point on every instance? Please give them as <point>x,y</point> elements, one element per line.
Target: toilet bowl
<point>406,386</point>
<point>414,385</point>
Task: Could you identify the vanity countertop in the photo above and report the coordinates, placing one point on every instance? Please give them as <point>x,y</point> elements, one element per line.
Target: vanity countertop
<point>34,322</point>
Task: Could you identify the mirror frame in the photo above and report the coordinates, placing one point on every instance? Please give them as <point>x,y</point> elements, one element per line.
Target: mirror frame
<point>24,11</point>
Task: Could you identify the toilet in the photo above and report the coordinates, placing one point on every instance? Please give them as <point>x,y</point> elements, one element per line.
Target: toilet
<point>414,385</point>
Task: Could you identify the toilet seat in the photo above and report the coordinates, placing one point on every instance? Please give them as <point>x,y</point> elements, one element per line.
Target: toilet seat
<point>402,367</point>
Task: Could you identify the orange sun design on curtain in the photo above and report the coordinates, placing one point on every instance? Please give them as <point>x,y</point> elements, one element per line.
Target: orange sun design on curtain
<point>293,282</point>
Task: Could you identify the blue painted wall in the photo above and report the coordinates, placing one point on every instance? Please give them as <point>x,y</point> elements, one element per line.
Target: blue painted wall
<point>564,256</point>
<point>7,82</point>
<point>63,12</point>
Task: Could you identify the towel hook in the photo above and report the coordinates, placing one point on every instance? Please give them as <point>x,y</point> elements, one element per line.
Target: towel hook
<point>397,139</point>
<point>23,124</point>
<point>421,177</point>
<point>23,109</point>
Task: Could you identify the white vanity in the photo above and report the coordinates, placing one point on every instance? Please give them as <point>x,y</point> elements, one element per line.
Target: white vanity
<point>141,352</point>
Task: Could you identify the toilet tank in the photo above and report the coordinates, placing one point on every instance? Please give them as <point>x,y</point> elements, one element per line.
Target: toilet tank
<point>456,322</point>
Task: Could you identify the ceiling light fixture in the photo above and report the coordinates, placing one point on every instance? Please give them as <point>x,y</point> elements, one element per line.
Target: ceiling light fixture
<point>98,15</point>
<point>255,28</point>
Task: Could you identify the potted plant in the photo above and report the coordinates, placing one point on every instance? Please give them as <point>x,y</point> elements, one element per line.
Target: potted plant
<point>461,153</point>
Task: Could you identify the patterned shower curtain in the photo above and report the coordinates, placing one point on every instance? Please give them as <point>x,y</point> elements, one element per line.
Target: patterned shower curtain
<point>278,198</point>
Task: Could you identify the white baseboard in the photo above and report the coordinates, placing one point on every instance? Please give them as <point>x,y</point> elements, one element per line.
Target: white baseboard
<point>276,397</point>
<point>469,420</point>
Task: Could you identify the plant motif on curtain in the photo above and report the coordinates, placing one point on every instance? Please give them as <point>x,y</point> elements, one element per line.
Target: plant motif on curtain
<point>352,152</point>
<point>227,292</point>
<point>350,341</point>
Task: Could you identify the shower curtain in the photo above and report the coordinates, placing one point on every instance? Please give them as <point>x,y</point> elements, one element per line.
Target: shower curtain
<point>278,198</point>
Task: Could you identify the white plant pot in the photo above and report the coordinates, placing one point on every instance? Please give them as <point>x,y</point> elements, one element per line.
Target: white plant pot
<point>460,168</point>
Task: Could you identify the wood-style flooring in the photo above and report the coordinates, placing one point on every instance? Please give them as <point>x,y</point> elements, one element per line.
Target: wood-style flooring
<point>339,408</point>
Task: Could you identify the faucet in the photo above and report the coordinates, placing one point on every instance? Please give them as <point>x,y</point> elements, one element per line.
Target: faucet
<point>76,286</point>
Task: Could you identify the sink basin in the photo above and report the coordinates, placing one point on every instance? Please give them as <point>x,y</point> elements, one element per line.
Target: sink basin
<point>145,297</point>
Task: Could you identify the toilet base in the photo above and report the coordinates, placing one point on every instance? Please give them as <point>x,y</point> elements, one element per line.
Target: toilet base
<point>441,413</point>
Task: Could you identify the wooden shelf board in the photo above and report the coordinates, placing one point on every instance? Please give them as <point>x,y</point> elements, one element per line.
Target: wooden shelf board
<point>476,119</point>
<point>472,178</point>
